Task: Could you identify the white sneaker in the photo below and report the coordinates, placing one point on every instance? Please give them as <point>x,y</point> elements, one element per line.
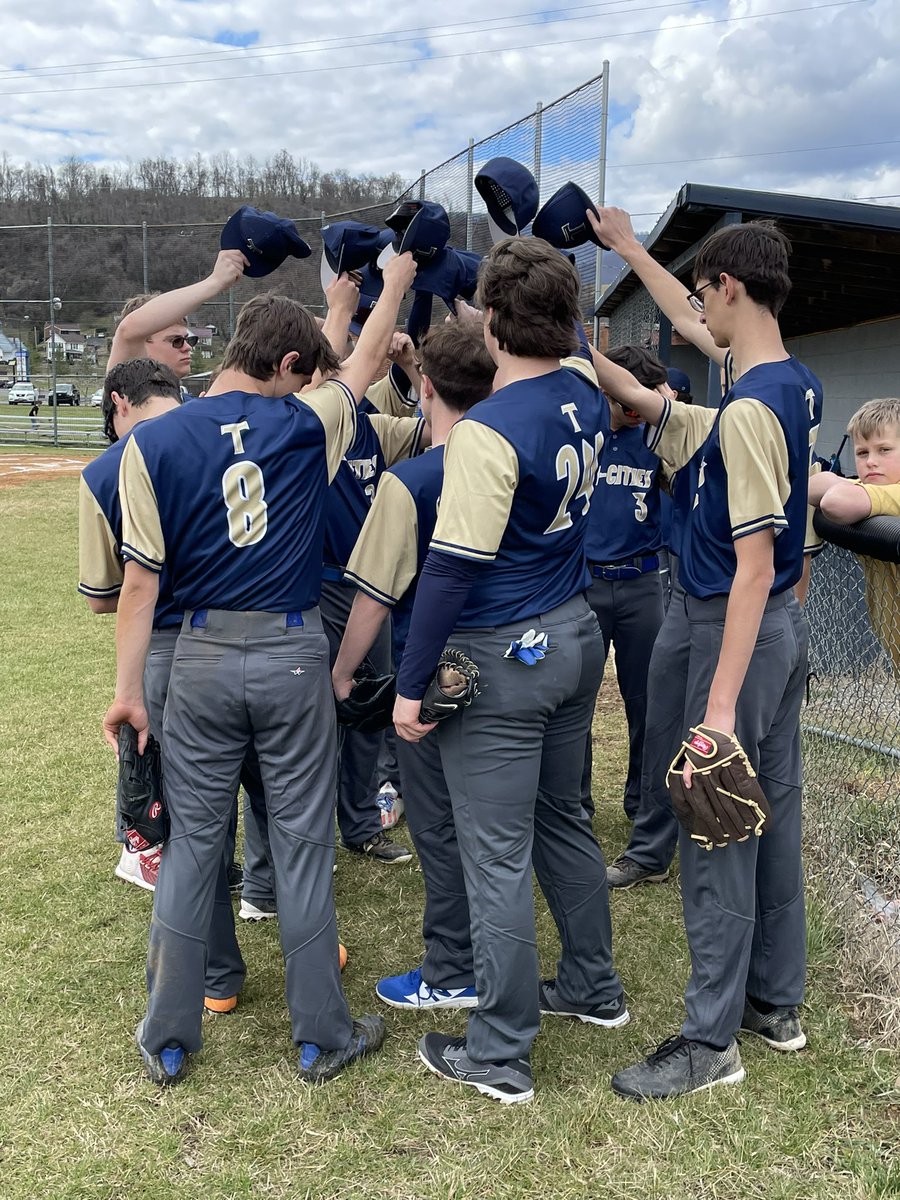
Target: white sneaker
<point>141,869</point>
<point>390,804</point>
<point>262,910</point>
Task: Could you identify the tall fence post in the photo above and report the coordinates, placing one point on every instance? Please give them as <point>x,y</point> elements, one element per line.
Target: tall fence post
<point>470,190</point>
<point>601,194</point>
<point>145,259</point>
<point>422,184</point>
<point>52,331</point>
<point>538,140</point>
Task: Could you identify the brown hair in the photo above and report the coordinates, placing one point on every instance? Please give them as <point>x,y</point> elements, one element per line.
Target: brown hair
<point>136,302</point>
<point>456,360</point>
<point>756,254</point>
<point>875,417</point>
<point>269,327</point>
<point>138,380</point>
<point>532,291</point>
<point>639,362</point>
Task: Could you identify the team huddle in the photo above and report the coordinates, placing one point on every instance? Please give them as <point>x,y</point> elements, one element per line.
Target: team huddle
<point>509,498</point>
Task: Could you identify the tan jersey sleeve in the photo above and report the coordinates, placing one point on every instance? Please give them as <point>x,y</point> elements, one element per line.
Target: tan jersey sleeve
<point>387,398</point>
<point>384,559</point>
<point>333,404</point>
<point>100,570</point>
<point>576,363</point>
<point>142,537</point>
<point>885,498</point>
<point>756,459</point>
<point>400,437</point>
<point>481,473</point>
<point>682,430</point>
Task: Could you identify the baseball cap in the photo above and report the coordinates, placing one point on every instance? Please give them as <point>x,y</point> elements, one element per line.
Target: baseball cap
<point>264,237</point>
<point>452,273</point>
<point>370,289</point>
<point>563,221</point>
<point>511,196</point>
<point>425,234</point>
<point>347,246</point>
<point>679,381</point>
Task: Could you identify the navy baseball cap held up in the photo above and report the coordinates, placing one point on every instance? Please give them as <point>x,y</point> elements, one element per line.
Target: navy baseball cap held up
<point>347,246</point>
<point>563,221</point>
<point>424,234</point>
<point>265,238</point>
<point>511,196</point>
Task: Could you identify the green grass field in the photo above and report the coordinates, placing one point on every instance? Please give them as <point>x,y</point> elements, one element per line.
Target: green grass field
<point>80,1120</point>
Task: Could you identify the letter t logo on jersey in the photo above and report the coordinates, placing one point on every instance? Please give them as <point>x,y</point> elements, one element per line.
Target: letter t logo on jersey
<point>236,428</point>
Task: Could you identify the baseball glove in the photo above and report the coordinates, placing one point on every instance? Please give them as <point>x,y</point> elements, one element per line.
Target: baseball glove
<point>725,802</point>
<point>139,792</point>
<point>453,687</point>
<point>370,706</point>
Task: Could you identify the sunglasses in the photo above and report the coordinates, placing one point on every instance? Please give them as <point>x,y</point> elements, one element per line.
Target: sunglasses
<point>180,340</point>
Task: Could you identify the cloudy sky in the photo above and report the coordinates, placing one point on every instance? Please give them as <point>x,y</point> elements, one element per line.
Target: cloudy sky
<point>790,95</point>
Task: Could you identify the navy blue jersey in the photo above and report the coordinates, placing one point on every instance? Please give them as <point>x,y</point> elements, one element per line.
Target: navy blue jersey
<point>423,478</point>
<point>520,473</point>
<point>100,563</point>
<point>625,515</point>
<point>229,492</point>
<point>707,557</point>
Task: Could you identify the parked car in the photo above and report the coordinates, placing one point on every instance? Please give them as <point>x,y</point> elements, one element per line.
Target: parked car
<point>97,398</point>
<point>22,393</point>
<point>66,393</point>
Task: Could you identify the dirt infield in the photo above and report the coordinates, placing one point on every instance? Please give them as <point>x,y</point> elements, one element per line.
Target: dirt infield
<point>30,468</point>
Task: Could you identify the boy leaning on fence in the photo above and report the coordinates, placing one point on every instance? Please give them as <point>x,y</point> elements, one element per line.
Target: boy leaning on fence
<point>875,432</point>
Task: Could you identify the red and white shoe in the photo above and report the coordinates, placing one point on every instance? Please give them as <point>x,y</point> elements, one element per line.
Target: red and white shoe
<point>390,805</point>
<point>142,868</point>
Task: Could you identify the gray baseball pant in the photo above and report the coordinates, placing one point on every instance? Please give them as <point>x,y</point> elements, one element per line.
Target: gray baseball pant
<point>654,834</point>
<point>429,815</point>
<point>236,678</point>
<point>743,905</point>
<point>629,613</point>
<point>513,764</point>
<point>358,815</point>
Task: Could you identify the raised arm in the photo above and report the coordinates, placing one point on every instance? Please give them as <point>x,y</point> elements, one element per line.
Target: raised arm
<point>621,385</point>
<point>670,295</point>
<point>363,364</point>
<point>171,308</point>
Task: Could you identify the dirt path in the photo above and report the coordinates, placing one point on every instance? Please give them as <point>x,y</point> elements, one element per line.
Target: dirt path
<point>27,468</point>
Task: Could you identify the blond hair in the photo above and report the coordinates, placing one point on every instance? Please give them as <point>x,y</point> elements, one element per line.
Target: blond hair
<point>874,417</point>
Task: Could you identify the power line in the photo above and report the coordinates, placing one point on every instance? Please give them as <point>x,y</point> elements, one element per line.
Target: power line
<point>393,62</point>
<point>327,45</point>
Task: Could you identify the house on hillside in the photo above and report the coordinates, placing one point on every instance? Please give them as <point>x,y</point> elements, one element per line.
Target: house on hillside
<point>95,349</point>
<point>64,341</point>
<point>842,318</point>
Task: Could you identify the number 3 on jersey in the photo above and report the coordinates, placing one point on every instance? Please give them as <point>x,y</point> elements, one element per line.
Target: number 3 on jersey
<point>580,477</point>
<point>244,490</point>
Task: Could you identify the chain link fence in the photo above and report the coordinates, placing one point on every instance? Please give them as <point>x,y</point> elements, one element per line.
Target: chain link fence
<point>851,734</point>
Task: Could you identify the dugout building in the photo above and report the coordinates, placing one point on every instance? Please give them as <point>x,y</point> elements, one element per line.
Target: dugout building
<point>842,318</point>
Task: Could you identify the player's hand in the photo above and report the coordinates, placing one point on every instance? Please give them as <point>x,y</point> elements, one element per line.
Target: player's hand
<point>400,271</point>
<point>228,269</point>
<point>467,314</point>
<point>614,229</point>
<point>406,720</point>
<point>342,686</point>
<point>402,350</point>
<point>121,712</point>
<point>721,719</point>
<point>342,294</point>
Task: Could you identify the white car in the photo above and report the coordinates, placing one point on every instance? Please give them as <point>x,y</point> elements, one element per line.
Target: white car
<point>97,398</point>
<point>22,393</point>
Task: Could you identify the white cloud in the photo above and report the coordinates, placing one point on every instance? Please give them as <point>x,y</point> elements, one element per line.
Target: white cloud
<point>781,82</point>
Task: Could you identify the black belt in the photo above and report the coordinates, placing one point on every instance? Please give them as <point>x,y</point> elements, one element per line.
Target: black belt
<point>626,568</point>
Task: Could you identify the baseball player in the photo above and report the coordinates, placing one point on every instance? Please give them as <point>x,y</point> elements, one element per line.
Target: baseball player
<point>624,538</point>
<point>456,372</point>
<point>742,553</point>
<point>505,579</point>
<point>381,440</point>
<point>138,391</point>
<point>228,492</point>
<point>155,325</point>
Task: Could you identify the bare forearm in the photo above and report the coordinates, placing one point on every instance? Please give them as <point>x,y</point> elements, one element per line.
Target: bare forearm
<point>134,625</point>
<point>846,503</point>
<point>671,296</point>
<point>622,386</point>
<point>366,618</point>
<point>746,604</point>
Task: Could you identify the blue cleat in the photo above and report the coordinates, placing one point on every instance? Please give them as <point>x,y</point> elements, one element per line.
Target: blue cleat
<point>317,1065</point>
<point>169,1066</point>
<point>410,991</point>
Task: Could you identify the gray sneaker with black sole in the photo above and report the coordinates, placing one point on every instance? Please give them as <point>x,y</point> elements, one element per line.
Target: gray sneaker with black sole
<point>383,849</point>
<point>509,1081</point>
<point>625,873</point>
<point>610,1016</point>
<point>779,1028</point>
<point>677,1067</point>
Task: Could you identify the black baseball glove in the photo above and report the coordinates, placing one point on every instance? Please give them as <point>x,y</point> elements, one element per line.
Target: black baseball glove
<point>453,687</point>
<point>725,802</point>
<point>370,706</point>
<point>140,793</point>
